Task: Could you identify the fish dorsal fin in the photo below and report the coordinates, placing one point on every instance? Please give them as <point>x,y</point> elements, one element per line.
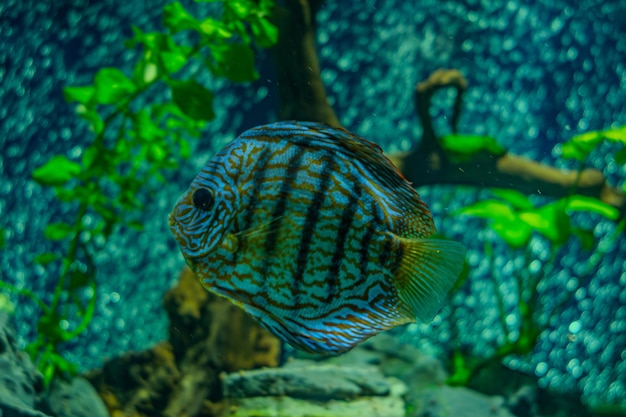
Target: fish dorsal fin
<point>428,270</point>
<point>363,149</point>
<point>321,135</point>
<point>411,217</point>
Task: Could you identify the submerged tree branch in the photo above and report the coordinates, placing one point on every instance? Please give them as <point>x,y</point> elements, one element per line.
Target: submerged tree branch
<point>301,91</point>
<point>303,97</point>
<point>428,163</point>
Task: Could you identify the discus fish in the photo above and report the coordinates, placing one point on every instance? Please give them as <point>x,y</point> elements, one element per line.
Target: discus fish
<point>316,234</point>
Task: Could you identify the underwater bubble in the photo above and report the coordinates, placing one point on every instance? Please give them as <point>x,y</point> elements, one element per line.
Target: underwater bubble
<point>66,133</point>
<point>574,327</point>
<point>467,45</point>
<point>535,266</point>
<point>572,53</point>
<point>470,300</point>
<point>557,24</point>
<point>617,326</point>
<point>571,284</point>
<point>616,390</point>
<point>511,319</point>
<point>585,304</point>
<point>120,324</point>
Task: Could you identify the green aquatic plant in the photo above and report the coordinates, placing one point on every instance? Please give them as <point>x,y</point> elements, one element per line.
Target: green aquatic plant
<point>462,148</point>
<point>132,147</point>
<point>580,147</point>
<point>515,219</point>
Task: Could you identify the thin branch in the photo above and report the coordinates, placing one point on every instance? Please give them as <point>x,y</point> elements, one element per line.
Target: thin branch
<point>301,91</point>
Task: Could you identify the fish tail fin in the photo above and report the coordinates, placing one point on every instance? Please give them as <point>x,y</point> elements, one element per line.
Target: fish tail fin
<point>428,270</point>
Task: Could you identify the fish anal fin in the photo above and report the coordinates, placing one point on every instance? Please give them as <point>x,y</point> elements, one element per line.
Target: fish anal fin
<point>428,270</point>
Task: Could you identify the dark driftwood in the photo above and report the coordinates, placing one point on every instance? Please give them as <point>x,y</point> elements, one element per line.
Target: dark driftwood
<point>300,88</point>
<point>303,97</point>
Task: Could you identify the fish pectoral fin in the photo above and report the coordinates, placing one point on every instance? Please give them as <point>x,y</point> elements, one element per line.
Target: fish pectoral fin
<point>428,270</point>
<point>259,231</point>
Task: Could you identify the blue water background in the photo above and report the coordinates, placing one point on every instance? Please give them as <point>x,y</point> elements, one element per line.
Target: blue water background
<point>539,72</point>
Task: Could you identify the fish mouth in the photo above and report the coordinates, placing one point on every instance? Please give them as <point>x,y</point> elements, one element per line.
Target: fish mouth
<point>176,230</point>
<point>171,221</point>
<point>191,254</point>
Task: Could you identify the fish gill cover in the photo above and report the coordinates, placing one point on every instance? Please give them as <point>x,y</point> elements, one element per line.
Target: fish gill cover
<point>538,75</point>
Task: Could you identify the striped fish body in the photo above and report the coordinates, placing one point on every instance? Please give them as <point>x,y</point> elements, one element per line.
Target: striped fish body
<point>314,232</point>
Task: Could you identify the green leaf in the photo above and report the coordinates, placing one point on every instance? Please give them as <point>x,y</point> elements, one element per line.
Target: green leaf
<point>25,293</point>
<point>265,33</point>
<point>550,221</point>
<point>57,171</point>
<point>572,150</point>
<point>145,127</point>
<point>47,370</point>
<point>173,61</point>
<point>2,240</point>
<point>146,69</point>
<point>579,147</point>
<point>185,149</point>
<point>137,39</point>
<point>96,124</point>
<point>235,61</point>
<point>50,363</point>
<point>616,135</point>
<point>462,147</point>
<point>161,54</point>
<point>489,209</point>
<point>152,41</point>
<point>58,231</point>
<point>241,9</point>
<point>535,220</point>
<point>193,99</point>
<point>214,29</point>
<point>620,156</point>
<point>587,239</point>
<point>176,18</point>
<point>515,233</point>
<point>112,86</point>
<point>240,29</point>
<point>80,94</point>
<point>108,214</point>
<point>87,313</point>
<point>65,366</point>
<point>156,152</point>
<point>122,150</point>
<point>561,229</point>
<point>583,203</point>
<point>45,258</point>
<point>515,198</point>
<point>65,194</point>
<point>129,200</point>
<point>6,306</point>
<point>590,139</point>
<point>90,156</point>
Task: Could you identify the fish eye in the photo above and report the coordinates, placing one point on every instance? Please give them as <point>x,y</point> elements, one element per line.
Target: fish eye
<point>202,199</point>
